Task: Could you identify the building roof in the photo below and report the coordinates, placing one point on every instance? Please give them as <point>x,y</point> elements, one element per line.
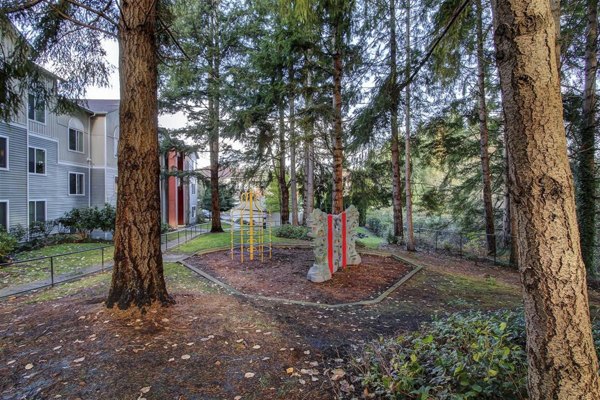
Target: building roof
<point>101,106</point>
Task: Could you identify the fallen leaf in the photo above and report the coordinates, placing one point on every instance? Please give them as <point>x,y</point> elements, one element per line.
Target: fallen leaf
<point>337,374</point>
<point>237,398</point>
<point>78,360</point>
<point>249,375</point>
<point>289,370</point>
<point>185,357</point>
<point>256,347</point>
<point>29,366</point>
<point>11,362</point>
<point>307,352</point>
<point>56,348</point>
<point>171,359</point>
<point>145,389</point>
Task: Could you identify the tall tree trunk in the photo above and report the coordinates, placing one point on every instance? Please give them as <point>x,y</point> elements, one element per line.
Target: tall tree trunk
<point>410,240</point>
<point>309,157</point>
<point>587,163</point>
<point>394,96</point>
<point>488,207</point>
<point>337,137</point>
<point>555,9</point>
<point>508,222</point>
<point>284,195</point>
<point>138,269</point>
<point>214,94</point>
<point>293,181</point>
<point>561,355</point>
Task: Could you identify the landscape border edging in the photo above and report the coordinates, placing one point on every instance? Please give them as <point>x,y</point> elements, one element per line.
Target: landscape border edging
<point>378,299</point>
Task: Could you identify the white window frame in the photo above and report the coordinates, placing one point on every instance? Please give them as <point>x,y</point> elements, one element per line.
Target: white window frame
<point>45,209</point>
<point>77,133</point>
<point>45,161</point>
<point>82,184</point>
<point>35,101</point>
<point>7,214</point>
<point>7,154</point>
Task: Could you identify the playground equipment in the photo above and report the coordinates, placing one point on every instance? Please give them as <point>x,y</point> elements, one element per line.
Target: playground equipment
<point>334,243</point>
<point>252,238</point>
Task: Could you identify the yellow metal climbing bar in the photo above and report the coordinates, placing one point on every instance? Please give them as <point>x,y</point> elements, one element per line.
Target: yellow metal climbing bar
<point>249,238</point>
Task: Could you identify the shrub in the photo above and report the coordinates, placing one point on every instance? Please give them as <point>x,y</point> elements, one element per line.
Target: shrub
<point>465,356</point>
<point>164,228</point>
<point>292,232</point>
<point>18,232</point>
<point>106,218</point>
<point>378,226</point>
<point>86,220</point>
<point>8,244</point>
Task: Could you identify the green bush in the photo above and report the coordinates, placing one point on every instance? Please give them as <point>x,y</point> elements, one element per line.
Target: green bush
<point>8,244</point>
<point>465,356</point>
<point>86,220</point>
<point>378,226</point>
<point>292,232</point>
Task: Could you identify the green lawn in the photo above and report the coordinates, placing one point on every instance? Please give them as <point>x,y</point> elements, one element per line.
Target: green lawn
<point>223,239</point>
<point>371,241</point>
<point>40,269</point>
<point>178,278</point>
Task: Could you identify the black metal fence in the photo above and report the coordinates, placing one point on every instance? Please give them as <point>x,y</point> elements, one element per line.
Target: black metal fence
<point>174,238</point>
<point>23,275</point>
<point>471,245</point>
<point>20,276</point>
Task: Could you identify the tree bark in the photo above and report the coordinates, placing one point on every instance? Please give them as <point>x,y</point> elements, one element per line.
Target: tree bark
<point>555,9</point>
<point>394,102</point>
<point>215,116</point>
<point>410,240</point>
<point>508,222</point>
<point>586,162</point>
<point>561,355</point>
<point>309,157</point>
<point>488,207</point>
<point>284,195</point>
<point>293,180</point>
<point>337,133</point>
<point>138,269</point>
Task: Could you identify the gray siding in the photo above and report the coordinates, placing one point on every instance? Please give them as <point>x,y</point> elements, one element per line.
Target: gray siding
<point>98,194</point>
<point>110,194</point>
<point>13,183</point>
<point>54,186</point>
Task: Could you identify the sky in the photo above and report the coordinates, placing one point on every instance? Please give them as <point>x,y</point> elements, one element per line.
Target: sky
<point>172,121</point>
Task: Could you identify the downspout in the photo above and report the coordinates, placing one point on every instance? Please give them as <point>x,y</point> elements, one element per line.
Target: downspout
<point>89,160</point>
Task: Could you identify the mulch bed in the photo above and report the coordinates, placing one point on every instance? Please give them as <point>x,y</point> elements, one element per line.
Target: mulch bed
<point>284,276</point>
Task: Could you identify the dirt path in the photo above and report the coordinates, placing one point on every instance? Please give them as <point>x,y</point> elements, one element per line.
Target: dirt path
<point>79,349</point>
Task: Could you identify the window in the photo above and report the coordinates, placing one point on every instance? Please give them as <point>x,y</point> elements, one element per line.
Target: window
<point>76,183</point>
<point>37,161</point>
<point>3,152</point>
<point>193,188</point>
<point>194,212</point>
<point>36,109</point>
<point>4,215</point>
<point>37,211</point>
<point>116,184</point>
<point>75,140</point>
